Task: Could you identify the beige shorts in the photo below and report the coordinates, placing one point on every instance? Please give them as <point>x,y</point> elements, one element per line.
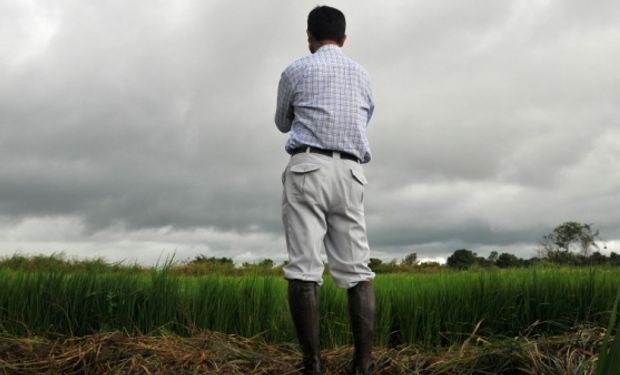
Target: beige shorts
<point>323,209</point>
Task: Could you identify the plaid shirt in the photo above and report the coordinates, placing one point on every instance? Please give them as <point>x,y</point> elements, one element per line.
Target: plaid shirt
<point>325,100</point>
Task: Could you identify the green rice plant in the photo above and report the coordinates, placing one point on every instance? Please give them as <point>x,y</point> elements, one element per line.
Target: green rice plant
<point>335,323</point>
<point>609,360</point>
<point>442,308</point>
<point>421,309</point>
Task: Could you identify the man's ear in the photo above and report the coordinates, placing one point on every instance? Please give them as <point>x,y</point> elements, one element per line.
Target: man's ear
<point>342,40</point>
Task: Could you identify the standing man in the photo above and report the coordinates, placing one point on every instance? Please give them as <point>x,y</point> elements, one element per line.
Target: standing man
<point>325,101</point>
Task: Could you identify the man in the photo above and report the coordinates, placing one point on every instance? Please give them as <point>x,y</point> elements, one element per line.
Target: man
<point>325,101</point>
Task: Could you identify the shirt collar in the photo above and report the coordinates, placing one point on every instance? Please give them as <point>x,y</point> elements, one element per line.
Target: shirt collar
<point>328,47</point>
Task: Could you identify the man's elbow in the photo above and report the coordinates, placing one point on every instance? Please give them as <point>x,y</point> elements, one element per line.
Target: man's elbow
<point>284,129</point>
<point>283,125</point>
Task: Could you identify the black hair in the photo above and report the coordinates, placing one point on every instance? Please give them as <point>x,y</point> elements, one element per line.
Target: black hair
<point>326,23</point>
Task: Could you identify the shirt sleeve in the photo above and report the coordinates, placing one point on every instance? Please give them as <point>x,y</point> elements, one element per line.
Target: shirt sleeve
<point>284,107</point>
<point>371,105</point>
<point>371,102</point>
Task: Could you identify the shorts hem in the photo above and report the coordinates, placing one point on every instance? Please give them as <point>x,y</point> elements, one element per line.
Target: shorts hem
<point>303,277</point>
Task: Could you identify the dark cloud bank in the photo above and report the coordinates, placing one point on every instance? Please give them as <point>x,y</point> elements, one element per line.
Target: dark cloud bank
<point>134,130</point>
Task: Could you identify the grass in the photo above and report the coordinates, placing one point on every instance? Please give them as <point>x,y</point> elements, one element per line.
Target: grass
<point>573,352</point>
<point>417,308</point>
<point>424,309</point>
<point>609,360</point>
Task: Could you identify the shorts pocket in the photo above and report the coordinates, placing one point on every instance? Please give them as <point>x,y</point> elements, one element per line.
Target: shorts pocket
<point>359,176</point>
<point>305,180</point>
<point>304,168</point>
<point>357,187</point>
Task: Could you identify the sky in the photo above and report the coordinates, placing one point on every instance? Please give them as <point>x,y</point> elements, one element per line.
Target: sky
<point>137,130</point>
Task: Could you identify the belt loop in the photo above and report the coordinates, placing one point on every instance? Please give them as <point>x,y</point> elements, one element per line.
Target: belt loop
<point>307,150</point>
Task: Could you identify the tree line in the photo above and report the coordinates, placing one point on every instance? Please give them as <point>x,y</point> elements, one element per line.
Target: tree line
<point>569,244</point>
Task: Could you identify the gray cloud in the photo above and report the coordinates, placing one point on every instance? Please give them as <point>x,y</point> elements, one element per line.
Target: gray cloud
<point>494,121</point>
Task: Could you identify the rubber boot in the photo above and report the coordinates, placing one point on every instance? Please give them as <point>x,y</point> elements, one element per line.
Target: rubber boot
<point>303,300</point>
<point>362,311</point>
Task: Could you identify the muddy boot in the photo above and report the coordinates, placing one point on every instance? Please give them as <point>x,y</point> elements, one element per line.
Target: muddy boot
<point>303,300</point>
<point>362,312</point>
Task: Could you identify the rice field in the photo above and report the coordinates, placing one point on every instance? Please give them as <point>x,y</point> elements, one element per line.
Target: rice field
<point>428,310</point>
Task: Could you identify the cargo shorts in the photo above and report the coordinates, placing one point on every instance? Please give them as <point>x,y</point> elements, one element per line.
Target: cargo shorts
<point>323,209</point>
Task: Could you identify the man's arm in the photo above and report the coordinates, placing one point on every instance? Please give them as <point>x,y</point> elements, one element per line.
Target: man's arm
<point>371,108</point>
<point>284,108</point>
<point>370,99</point>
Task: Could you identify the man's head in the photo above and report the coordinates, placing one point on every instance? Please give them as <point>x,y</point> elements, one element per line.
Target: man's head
<point>326,25</point>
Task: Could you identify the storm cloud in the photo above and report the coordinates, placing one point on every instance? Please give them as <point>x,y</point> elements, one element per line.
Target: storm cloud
<point>132,130</point>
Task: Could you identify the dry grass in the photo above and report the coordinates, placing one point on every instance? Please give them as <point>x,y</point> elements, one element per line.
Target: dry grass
<point>216,353</point>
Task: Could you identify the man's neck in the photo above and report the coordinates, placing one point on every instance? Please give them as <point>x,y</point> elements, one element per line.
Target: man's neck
<point>318,44</point>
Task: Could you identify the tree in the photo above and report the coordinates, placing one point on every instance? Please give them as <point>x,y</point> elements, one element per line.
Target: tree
<point>493,257</point>
<point>266,263</point>
<point>202,263</point>
<point>374,263</point>
<point>411,259</point>
<point>462,259</point>
<point>430,265</point>
<point>614,259</point>
<point>597,258</point>
<point>567,234</point>
<point>212,260</point>
<point>563,257</point>
<point>483,262</point>
<point>506,260</point>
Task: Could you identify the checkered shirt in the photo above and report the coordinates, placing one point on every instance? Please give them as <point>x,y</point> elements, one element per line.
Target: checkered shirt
<point>325,100</point>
